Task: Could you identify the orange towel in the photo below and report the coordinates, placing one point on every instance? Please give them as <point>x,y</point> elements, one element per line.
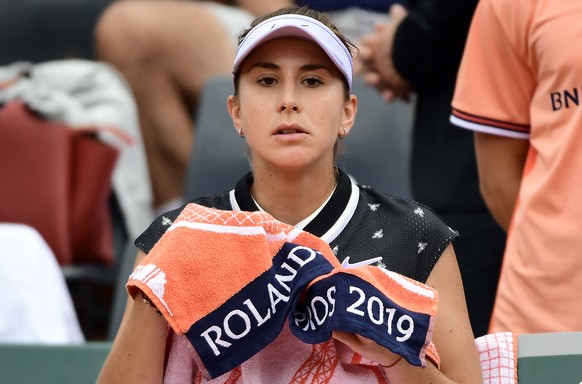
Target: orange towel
<point>229,281</point>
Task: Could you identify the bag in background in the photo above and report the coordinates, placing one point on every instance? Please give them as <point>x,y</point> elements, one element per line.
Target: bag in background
<point>58,181</point>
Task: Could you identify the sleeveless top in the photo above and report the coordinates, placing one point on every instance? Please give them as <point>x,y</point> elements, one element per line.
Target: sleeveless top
<point>359,223</point>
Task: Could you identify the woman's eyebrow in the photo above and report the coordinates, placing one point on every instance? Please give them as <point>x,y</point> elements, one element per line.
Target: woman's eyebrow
<point>264,64</point>
<point>313,67</point>
<point>305,67</point>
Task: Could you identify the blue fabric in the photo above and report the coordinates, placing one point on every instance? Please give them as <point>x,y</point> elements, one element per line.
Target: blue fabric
<point>254,317</point>
<point>356,306</point>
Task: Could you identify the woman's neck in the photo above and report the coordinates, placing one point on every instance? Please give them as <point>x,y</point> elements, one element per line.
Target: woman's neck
<point>290,197</point>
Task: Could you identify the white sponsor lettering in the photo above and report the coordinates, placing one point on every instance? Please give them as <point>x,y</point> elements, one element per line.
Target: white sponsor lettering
<point>375,312</point>
<point>239,322</point>
<point>216,341</point>
<point>319,309</point>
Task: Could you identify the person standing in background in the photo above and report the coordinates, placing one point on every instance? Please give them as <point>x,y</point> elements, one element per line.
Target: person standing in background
<point>419,52</point>
<point>518,90</point>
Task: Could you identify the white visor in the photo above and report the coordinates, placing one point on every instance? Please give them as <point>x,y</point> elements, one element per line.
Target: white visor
<point>302,27</point>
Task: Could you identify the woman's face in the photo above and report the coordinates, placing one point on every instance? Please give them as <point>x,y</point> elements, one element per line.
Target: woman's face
<point>291,105</point>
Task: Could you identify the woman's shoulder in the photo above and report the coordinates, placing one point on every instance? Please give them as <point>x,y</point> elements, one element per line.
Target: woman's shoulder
<point>160,225</point>
<point>408,236</point>
<point>399,207</point>
<point>218,201</point>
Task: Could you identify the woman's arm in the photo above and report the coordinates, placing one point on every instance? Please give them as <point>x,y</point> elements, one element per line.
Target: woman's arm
<point>452,337</point>
<point>137,354</point>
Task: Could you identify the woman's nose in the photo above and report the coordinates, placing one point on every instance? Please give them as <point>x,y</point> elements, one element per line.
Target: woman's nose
<point>293,108</point>
<point>289,99</point>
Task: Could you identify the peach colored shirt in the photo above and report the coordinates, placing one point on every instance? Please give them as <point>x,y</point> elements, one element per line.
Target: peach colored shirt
<point>521,77</point>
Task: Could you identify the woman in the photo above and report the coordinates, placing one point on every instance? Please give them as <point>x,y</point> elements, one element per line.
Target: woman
<point>292,102</point>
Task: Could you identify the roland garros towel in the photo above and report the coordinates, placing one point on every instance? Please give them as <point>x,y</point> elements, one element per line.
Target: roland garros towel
<point>229,281</point>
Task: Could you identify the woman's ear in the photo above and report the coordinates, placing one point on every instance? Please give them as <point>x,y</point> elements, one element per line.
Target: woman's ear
<point>350,110</point>
<point>234,111</point>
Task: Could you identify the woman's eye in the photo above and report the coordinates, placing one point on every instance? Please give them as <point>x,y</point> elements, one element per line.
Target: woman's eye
<point>313,81</point>
<point>267,81</point>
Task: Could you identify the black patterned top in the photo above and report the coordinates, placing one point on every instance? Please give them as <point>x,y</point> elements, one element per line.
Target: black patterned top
<point>360,224</point>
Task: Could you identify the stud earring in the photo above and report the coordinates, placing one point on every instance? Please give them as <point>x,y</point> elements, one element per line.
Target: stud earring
<point>343,134</point>
<point>241,133</point>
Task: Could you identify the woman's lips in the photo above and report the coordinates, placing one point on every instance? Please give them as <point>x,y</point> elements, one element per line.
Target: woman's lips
<point>288,130</point>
